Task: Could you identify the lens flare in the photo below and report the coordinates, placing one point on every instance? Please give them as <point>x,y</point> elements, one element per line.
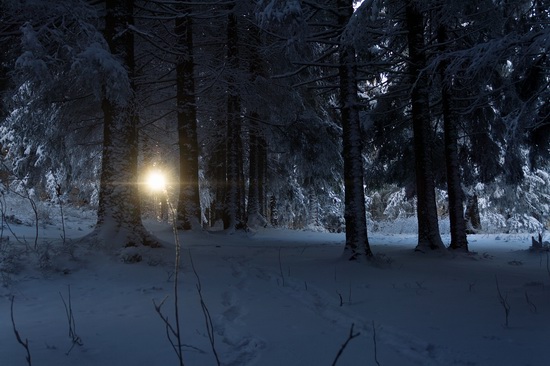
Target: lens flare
<point>156,181</point>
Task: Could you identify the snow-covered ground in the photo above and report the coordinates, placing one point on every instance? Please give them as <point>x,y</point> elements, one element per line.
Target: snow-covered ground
<point>276,297</point>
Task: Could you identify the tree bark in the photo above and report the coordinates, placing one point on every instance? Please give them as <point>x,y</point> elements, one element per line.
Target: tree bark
<point>428,228</point>
<point>218,168</point>
<point>119,212</point>
<point>273,212</point>
<point>255,213</point>
<point>459,240</point>
<point>256,174</point>
<point>472,218</point>
<point>189,208</point>
<point>233,217</point>
<point>357,242</point>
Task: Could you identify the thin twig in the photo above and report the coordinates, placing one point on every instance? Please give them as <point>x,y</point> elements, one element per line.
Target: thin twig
<point>343,347</point>
<point>503,301</point>
<point>75,339</point>
<point>374,341</point>
<point>24,343</point>
<point>176,278</point>
<point>207,317</point>
<point>530,303</point>
<point>173,331</point>
<point>35,209</point>
<point>170,331</point>
<point>281,268</point>
<point>58,193</point>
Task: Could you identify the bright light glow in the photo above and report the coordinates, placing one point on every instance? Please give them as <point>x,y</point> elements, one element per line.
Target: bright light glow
<point>156,181</point>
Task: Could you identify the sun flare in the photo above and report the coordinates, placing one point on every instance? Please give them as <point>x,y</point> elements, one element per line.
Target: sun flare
<point>156,181</point>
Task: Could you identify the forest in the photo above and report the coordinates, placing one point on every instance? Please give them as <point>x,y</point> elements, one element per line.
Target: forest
<point>334,115</point>
<point>274,182</point>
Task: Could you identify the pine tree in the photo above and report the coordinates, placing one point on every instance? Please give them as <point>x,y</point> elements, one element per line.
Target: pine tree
<point>450,127</point>
<point>189,208</point>
<point>355,212</point>
<point>119,213</point>
<point>428,229</point>
<point>234,210</point>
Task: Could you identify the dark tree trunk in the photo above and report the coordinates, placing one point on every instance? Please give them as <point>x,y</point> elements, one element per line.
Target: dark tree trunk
<point>189,209</point>
<point>4,83</point>
<point>255,214</point>
<point>454,188</point>
<point>233,217</point>
<point>262,175</point>
<point>428,229</point>
<point>218,168</point>
<point>357,242</point>
<point>274,212</point>
<point>119,213</point>
<point>472,218</point>
<point>256,181</point>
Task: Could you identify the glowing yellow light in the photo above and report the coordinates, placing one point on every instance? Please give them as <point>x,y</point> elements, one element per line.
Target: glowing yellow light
<point>156,181</point>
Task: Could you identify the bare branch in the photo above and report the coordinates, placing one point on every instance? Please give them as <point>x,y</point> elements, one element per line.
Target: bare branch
<point>343,347</point>
<point>24,343</point>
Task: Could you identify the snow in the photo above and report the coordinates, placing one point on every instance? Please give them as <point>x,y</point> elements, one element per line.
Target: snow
<point>276,297</point>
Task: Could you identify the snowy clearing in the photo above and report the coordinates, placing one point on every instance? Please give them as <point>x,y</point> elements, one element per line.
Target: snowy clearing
<point>277,297</point>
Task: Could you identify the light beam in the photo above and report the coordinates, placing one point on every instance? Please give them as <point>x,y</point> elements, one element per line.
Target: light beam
<point>156,181</point>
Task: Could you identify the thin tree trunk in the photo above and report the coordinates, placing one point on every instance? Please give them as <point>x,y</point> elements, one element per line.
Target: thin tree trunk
<point>454,188</point>
<point>189,209</point>
<point>273,212</point>
<point>219,169</point>
<point>357,242</point>
<point>428,228</point>
<point>256,145</point>
<point>234,196</point>
<point>256,187</point>
<point>473,220</point>
<point>254,169</point>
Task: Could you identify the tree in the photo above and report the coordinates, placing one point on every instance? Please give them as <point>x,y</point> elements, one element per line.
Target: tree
<point>257,144</point>
<point>119,213</point>
<point>428,229</point>
<point>52,109</point>
<point>234,194</point>
<point>324,59</point>
<point>450,128</point>
<point>355,213</point>
<point>189,208</point>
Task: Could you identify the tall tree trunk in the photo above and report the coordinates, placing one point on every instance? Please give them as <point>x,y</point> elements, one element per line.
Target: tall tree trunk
<point>357,242</point>
<point>454,187</point>
<point>255,170</point>
<point>119,212</point>
<point>255,214</point>
<point>189,209</point>
<point>4,82</point>
<point>428,229</point>
<point>473,220</point>
<point>234,193</point>
<point>218,167</point>
<point>262,175</point>
<point>273,212</point>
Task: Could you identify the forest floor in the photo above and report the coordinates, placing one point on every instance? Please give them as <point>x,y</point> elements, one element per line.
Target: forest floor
<point>275,297</point>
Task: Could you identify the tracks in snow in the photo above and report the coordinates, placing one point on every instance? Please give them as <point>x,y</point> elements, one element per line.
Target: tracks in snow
<point>244,348</point>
